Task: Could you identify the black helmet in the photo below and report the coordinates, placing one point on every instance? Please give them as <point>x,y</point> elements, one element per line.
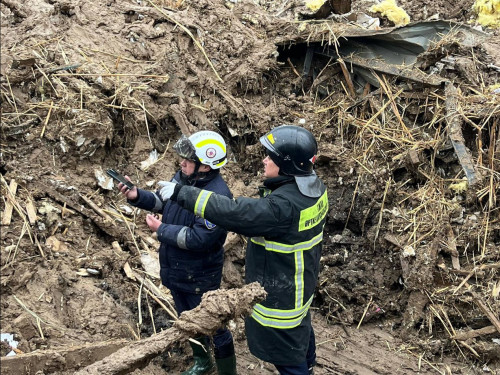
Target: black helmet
<point>292,148</point>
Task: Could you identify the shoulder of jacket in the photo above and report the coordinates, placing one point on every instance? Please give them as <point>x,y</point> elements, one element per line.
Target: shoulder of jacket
<point>219,186</point>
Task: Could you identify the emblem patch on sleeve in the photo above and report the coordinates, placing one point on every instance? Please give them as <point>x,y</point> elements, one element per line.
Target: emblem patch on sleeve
<point>209,225</point>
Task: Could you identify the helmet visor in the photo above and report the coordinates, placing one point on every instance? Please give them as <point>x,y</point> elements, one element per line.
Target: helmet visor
<point>185,148</point>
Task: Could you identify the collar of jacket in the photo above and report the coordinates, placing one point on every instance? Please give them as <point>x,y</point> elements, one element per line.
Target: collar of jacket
<point>276,182</point>
<point>201,182</point>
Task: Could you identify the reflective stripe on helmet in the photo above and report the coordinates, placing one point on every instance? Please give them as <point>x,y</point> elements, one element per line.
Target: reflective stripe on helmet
<point>210,148</point>
<point>209,141</point>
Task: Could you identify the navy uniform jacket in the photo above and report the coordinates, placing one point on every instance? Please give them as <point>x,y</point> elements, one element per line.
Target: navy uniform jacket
<point>285,230</point>
<point>191,248</point>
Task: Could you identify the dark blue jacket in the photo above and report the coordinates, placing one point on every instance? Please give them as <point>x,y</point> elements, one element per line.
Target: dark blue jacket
<point>191,248</point>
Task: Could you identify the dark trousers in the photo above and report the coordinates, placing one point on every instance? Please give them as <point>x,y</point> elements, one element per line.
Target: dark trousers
<point>223,339</point>
<point>303,368</point>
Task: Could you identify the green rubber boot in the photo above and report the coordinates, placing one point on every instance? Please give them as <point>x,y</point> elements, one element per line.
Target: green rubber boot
<point>226,366</point>
<point>203,363</point>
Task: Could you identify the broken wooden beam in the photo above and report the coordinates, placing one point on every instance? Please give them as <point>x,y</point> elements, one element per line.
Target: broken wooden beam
<point>62,359</point>
<point>347,77</point>
<point>216,309</point>
<point>474,333</point>
<point>106,226</point>
<point>489,314</point>
<point>31,211</point>
<point>96,208</point>
<point>9,206</point>
<point>451,246</point>
<point>455,121</point>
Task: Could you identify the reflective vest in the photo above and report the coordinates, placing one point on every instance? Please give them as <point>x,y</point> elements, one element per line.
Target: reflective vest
<point>285,230</point>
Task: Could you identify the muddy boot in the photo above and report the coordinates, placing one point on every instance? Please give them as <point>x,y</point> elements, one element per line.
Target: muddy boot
<point>226,366</point>
<point>203,363</point>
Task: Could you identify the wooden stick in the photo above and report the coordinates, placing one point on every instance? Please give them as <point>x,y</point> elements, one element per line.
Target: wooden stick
<point>151,289</point>
<point>166,76</point>
<point>381,210</point>
<point>43,360</point>
<point>456,136</point>
<point>31,211</point>
<point>96,208</point>
<point>47,119</point>
<point>9,206</point>
<point>347,76</point>
<point>452,247</point>
<point>151,315</point>
<point>475,333</point>
<point>493,319</point>
<point>364,312</point>
<point>293,67</point>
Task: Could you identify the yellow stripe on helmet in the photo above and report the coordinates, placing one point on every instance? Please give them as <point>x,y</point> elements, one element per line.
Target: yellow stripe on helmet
<point>211,141</point>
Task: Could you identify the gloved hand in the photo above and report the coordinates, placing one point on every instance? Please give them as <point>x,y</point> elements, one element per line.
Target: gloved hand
<point>167,189</point>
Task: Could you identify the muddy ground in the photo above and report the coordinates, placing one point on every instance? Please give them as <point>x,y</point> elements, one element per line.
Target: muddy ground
<point>411,255</point>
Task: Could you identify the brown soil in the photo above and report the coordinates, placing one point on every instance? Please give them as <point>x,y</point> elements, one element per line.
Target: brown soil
<point>88,86</point>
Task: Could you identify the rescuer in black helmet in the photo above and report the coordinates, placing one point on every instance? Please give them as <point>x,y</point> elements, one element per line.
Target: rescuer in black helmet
<point>293,149</point>
<point>285,230</point>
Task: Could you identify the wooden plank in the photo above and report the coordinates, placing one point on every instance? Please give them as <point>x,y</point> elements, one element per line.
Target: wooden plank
<point>475,333</point>
<point>454,121</point>
<point>31,211</point>
<point>478,301</point>
<point>9,206</point>
<point>69,358</point>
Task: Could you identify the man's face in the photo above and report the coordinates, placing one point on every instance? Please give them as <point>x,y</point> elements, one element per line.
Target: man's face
<point>187,167</point>
<point>270,169</point>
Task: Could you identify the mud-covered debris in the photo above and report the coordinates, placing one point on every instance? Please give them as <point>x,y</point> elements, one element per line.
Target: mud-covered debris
<point>216,309</point>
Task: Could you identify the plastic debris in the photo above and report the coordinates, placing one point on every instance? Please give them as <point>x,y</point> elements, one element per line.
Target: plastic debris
<point>153,158</point>
<point>9,338</point>
<point>103,180</point>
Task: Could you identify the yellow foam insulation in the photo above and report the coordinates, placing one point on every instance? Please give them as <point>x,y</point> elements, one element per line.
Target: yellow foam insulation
<point>314,5</point>
<point>459,187</point>
<point>488,12</point>
<point>389,9</point>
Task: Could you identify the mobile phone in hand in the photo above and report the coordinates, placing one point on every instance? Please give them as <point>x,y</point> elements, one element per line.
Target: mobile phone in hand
<point>118,177</point>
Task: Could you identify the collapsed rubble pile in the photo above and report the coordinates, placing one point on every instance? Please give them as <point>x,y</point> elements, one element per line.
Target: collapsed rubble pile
<point>407,120</point>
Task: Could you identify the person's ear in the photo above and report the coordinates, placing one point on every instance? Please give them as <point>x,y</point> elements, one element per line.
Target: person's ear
<point>204,168</point>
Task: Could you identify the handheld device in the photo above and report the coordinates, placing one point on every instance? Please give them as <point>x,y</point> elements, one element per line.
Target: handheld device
<point>118,177</point>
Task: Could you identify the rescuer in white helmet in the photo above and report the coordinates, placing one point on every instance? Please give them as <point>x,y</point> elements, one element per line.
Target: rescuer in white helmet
<point>191,248</point>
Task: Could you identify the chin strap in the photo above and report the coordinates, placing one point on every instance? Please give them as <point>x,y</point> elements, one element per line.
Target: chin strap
<point>196,175</point>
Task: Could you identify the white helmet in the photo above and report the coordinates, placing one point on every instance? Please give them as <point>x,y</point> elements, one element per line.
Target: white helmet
<point>206,147</point>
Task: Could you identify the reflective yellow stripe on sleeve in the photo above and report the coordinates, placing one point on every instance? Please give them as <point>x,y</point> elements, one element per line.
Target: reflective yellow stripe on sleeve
<point>201,203</point>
